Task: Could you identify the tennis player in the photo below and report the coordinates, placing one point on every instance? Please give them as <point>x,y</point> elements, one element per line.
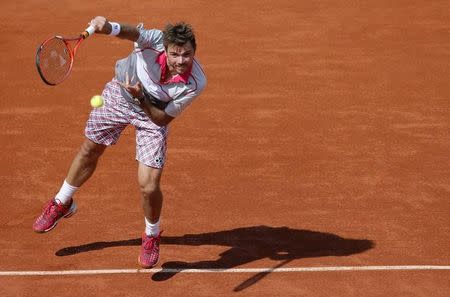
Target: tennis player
<point>151,87</point>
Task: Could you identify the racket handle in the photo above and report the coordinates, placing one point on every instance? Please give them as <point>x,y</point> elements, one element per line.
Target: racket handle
<point>88,32</point>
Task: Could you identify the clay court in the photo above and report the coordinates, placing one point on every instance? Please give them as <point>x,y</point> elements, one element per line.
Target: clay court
<point>316,162</point>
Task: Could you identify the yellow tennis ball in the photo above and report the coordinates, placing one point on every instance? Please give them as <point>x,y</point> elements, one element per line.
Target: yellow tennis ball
<point>97,101</point>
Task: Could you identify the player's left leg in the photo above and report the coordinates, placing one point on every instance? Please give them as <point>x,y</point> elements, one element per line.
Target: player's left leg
<point>151,145</point>
<point>152,198</point>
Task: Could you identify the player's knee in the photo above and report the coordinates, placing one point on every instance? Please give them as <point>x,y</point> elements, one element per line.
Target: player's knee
<point>91,150</point>
<point>150,189</point>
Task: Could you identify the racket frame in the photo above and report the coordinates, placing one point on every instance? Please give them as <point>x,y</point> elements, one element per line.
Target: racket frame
<point>72,51</point>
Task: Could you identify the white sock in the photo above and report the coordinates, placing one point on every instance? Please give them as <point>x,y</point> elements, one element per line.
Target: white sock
<point>151,229</point>
<point>65,193</point>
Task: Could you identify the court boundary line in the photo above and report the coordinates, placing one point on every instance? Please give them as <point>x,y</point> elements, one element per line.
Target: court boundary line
<point>228,270</point>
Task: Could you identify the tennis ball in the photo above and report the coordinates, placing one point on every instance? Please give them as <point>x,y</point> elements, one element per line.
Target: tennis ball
<point>97,101</point>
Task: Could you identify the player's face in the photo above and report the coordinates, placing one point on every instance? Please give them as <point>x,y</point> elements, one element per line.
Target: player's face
<point>180,58</point>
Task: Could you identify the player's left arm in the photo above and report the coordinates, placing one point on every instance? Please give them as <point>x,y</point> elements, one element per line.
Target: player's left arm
<point>158,116</point>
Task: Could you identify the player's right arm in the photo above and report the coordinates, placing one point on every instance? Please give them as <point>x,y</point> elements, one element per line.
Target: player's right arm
<point>103,26</point>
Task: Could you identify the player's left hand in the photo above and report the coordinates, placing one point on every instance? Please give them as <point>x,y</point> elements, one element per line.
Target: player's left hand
<point>136,90</point>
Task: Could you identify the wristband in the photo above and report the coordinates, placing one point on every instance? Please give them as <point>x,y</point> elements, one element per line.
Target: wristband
<point>115,28</point>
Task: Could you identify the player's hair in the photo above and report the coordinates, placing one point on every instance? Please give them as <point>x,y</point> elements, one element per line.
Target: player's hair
<point>178,34</point>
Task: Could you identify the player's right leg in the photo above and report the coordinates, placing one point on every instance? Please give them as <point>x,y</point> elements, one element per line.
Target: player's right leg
<point>84,163</point>
<point>63,206</point>
<point>103,128</point>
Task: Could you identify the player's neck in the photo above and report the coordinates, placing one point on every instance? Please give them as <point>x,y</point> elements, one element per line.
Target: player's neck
<point>169,74</point>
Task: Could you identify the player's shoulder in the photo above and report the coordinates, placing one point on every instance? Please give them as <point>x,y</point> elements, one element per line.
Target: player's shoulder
<point>150,37</point>
<point>199,74</point>
<point>153,34</point>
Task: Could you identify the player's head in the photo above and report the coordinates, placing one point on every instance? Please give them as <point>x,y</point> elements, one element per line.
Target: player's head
<point>180,46</point>
<point>179,34</point>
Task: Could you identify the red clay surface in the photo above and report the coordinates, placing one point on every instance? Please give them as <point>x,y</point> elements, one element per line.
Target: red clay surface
<point>330,118</point>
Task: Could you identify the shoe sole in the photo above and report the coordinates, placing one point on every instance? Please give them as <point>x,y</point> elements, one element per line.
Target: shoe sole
<point>146,266</point>
<point>71,212</point>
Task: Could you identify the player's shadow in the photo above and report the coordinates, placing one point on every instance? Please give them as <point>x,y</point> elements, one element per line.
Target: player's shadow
<point>246,245</point>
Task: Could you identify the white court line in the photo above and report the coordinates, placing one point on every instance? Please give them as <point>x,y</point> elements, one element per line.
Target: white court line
<point>230,270</point>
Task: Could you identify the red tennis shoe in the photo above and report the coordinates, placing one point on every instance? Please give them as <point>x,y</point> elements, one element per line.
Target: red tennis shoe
<point>51,214</point>
<point>149,250</point>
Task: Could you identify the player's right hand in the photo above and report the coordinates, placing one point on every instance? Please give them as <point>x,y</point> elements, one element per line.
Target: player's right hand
<point>101,25</point>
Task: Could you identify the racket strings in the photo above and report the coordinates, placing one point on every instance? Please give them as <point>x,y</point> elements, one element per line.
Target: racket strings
<point>55,60</point>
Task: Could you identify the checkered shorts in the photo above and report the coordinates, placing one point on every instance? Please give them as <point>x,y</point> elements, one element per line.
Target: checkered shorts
<point>105,124</point>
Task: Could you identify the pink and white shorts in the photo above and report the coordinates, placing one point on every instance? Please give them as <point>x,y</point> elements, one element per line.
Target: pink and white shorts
<point>105,124</point>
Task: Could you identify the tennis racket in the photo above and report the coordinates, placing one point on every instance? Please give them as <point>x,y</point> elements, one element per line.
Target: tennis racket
<point>55,56</point>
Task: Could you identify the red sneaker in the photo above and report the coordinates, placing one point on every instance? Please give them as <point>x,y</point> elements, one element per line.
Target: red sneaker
<point>149,250</point>
<point>52,213</point>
